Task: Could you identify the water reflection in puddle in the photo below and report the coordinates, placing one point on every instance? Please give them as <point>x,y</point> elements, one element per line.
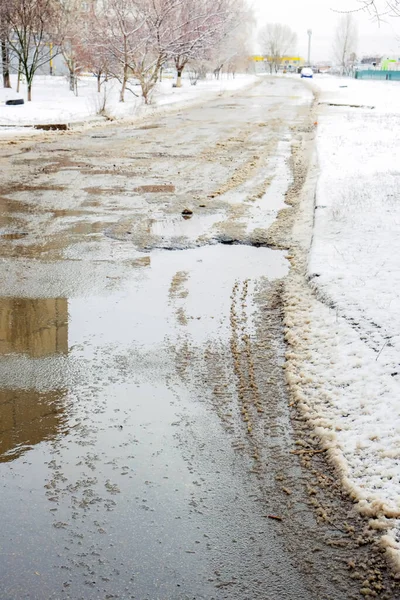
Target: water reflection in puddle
<point>27,418</point>
<point>37,329</point>
<point>107,473</point>
<point>140,316</point>
<point>34,326</point>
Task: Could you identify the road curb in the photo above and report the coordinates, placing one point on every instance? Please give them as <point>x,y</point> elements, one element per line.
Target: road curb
<point>53,126</point>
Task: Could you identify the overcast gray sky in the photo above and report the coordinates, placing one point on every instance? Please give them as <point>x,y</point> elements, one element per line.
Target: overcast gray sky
<point>318,16</point>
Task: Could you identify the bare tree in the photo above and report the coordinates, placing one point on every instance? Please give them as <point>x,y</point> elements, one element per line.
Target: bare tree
<point>97,58</point>
<point>345,43</point>
<point>197,70</point>
<point>30,28</point>
<point>120,25</point>
<point>276,41</point>
<point>98,63</point>
<point>200,25</point>
<point>159,35</point>
<point>71,33</point>
<point>234,49</point>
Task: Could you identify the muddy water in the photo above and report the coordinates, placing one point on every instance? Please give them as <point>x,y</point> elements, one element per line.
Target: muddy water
<point>145,435</point>
<point>121,476</point>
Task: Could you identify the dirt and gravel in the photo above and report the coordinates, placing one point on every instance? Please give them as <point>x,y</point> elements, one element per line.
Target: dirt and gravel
<point>149,447</point>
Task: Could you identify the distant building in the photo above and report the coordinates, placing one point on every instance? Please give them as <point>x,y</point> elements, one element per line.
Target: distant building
<point>390,63</point>
<point>379,63</point>
<point>369,62</point>
<point>287,63</point>
<point>292,63</point>
<point>322,67</point>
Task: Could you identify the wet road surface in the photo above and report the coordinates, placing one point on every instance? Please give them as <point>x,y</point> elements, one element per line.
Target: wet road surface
<point>145,433</point>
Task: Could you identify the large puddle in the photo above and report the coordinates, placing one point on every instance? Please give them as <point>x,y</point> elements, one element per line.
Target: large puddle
<point>116,479</point>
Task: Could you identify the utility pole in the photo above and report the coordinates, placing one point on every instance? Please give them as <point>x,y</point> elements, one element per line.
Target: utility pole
<point>309,32</point>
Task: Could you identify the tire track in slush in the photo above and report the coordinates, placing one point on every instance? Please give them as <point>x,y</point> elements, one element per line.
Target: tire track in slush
<point>248,393</point>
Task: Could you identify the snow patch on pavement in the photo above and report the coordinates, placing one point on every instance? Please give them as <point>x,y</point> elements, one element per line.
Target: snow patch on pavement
<point>343,328</point>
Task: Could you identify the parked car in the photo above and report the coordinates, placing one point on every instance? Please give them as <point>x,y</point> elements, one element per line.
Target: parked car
<point>307,72</point>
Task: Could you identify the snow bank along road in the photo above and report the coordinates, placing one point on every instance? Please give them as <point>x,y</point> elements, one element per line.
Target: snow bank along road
<point>54,103</point>
<point>147,447</point>
<point>344,337</point>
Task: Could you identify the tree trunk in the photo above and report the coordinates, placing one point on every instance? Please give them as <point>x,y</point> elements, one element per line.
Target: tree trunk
<point>217,72</point>
<point>125,71</point>
<point>29,92</point>
<point>123,87</point>
<point>6,64</point>
<point>72,80</point>
<point>148,84</point>
<point>19,74</point>
<point>179,78</point>
<point>99,82</point>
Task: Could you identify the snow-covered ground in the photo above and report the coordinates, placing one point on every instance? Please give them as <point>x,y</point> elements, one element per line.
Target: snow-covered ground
<point>344,361</point>
<point>53,102</point>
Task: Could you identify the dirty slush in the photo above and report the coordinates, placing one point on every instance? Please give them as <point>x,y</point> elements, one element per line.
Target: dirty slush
<point>148,449</point>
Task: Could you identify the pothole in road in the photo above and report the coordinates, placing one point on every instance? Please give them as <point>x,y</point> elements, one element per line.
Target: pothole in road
<point>169,156</point>
<point>35,188</point>
<point>346,105</point>
<point>114,171</point>
<point>154,189</point>
<point>13,235</point>
<point>145,127</point>
<point>230,241</point>
<point>104,190</point>
<point>228,106</point>
<point>87,228</point>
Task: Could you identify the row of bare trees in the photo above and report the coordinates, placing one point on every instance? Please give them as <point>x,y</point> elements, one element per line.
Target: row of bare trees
<point>121,39</point>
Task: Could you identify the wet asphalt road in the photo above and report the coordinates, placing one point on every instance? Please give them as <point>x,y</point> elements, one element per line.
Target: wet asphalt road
<point>145,435</point>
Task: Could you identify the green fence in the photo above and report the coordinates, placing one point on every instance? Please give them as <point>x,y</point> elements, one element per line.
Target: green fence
<point>385,75</point>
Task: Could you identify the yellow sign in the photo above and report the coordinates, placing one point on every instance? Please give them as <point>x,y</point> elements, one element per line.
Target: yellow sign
<point>290,59</point>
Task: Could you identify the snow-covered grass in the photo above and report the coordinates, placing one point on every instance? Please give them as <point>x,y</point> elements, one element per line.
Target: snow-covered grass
<point>382,95</point>
<point>53,102</point>
<point>344,335</point>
